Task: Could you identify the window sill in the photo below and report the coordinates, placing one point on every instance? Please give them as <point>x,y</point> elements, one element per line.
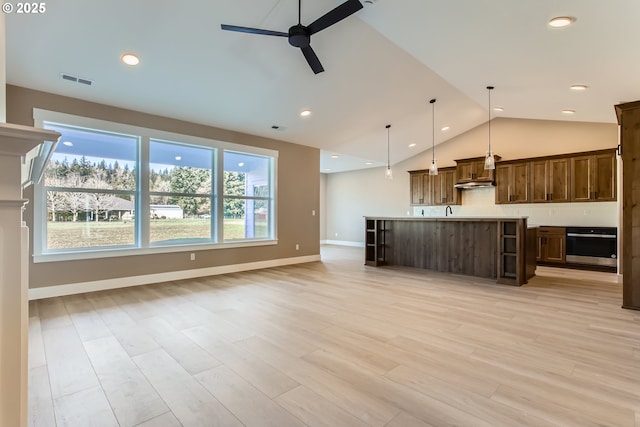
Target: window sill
<point>112,253</point>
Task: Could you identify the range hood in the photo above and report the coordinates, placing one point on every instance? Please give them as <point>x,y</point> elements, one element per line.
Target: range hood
<point>470,185</point>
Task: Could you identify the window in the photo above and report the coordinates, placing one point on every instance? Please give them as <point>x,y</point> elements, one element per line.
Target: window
<point>111,188</point>
<point>90,187</point>
<point>180,193</point>
<point>248,196</point>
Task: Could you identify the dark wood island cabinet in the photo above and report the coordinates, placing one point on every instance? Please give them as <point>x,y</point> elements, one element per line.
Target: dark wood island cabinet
<point>503,249</point>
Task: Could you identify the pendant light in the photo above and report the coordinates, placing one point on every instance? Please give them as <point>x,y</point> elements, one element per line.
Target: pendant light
<point>489,161</point>
<point>388,174</point>
<point>433,169</point>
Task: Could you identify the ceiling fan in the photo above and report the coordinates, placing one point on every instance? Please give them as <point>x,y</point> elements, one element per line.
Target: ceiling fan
<point>300,35</point>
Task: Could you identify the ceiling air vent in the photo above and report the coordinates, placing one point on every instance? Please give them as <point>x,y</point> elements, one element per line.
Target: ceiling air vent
<point>76,79</point>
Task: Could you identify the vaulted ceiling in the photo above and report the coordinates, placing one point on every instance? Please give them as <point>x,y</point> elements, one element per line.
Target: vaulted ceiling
<point>382,65</point>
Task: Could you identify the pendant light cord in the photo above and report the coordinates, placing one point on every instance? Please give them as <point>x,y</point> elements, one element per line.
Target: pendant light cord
<point>388,155</point>
<point>433,130</point>
<point>490,88</point>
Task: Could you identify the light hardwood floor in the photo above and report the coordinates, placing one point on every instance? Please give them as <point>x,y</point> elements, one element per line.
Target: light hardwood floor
<point>335,343</point>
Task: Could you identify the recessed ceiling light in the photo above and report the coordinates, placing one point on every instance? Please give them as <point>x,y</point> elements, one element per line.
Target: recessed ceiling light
<point>178,158</point>
<point>368,163</point>
<point>412,145</point>
<point>498,108</point>
<point>334,156</point>
<point>579,87</point>
<point>305,113</point>
<point>241,164</point>
<point>561,21</point>
<point>568,111</point>
<point>446,128</point>
<point>68,143</point>
<point>130,59</point>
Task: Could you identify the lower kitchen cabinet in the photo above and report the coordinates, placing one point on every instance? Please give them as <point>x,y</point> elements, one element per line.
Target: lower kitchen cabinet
<point>552,245</point>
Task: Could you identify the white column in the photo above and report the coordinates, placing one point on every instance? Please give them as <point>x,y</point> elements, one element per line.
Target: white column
<point>3,71</point>
<point>15,142</point>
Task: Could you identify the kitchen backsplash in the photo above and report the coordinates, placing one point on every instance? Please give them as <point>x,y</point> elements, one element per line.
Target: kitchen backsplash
<point>481,202</point>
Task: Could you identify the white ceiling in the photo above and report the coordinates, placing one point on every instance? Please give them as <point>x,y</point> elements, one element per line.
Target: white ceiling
<point>382,64</point>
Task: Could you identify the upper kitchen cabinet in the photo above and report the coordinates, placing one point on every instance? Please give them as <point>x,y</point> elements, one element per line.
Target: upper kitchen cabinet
<point>429,190</point>
<point>470,170</point>
<point>420,188</point>
<point>593,177</point>
<point>550,180</point>
<point>512,183</point>
<point>444,192</point>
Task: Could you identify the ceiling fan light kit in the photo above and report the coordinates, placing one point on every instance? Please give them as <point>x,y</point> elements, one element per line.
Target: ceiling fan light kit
<point>300,36</point>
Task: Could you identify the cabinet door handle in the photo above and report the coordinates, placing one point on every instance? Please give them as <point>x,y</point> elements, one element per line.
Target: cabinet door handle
<point>595,194</point>
<point>474,176</point>
<point>444,200</point>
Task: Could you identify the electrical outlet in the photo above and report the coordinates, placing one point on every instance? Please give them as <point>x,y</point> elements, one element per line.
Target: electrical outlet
<point>297,247</point>
<point>313,212</point>
<point>193,256</point>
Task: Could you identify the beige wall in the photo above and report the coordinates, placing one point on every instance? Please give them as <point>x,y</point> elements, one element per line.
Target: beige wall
<point>298,187</point>
<point>352,195</point>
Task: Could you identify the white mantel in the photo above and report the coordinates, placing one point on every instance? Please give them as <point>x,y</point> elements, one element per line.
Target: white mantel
<point>15,142</point>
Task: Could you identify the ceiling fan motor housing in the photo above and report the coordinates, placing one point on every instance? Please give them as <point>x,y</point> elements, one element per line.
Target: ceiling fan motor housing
<point>299,36</point>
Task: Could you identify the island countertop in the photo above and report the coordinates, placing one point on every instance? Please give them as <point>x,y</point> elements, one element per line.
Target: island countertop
<point>502,248</point>
<point>449,218</point>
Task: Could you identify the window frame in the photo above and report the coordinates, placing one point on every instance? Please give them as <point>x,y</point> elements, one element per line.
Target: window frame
<point>142,245</point>
<point>270,198</point>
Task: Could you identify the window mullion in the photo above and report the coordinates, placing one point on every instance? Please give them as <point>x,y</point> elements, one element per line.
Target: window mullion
<point>142,202</point>
<point>219,212</point>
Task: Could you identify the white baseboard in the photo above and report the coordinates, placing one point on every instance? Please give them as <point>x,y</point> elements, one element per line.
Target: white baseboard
<point>124,282</point>
<point>342,243</point>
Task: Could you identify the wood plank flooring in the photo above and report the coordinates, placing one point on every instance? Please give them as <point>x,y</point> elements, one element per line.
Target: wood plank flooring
<point>335,343</point>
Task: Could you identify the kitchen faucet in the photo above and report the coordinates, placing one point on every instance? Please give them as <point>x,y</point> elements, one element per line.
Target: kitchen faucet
<point>448,211</point>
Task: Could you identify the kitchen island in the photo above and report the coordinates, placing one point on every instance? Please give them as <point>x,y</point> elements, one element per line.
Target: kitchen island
<point>500,248</point>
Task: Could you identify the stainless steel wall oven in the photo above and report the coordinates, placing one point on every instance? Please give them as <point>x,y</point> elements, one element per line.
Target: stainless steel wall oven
<point>592,246</point>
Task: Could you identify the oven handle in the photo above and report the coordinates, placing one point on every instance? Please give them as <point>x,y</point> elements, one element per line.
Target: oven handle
<point>602,236</point>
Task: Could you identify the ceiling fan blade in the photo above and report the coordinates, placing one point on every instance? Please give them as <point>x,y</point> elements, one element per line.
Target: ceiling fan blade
<point>336,15</point>
<point>312,59</point>
<point>253,30</point>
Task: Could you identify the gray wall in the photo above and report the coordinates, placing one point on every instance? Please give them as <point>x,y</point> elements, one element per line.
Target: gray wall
<point>298,194</point>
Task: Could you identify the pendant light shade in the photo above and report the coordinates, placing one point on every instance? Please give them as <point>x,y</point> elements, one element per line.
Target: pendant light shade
<point>433,168</point>
<point>388,174</point>
<point>489,161</point>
